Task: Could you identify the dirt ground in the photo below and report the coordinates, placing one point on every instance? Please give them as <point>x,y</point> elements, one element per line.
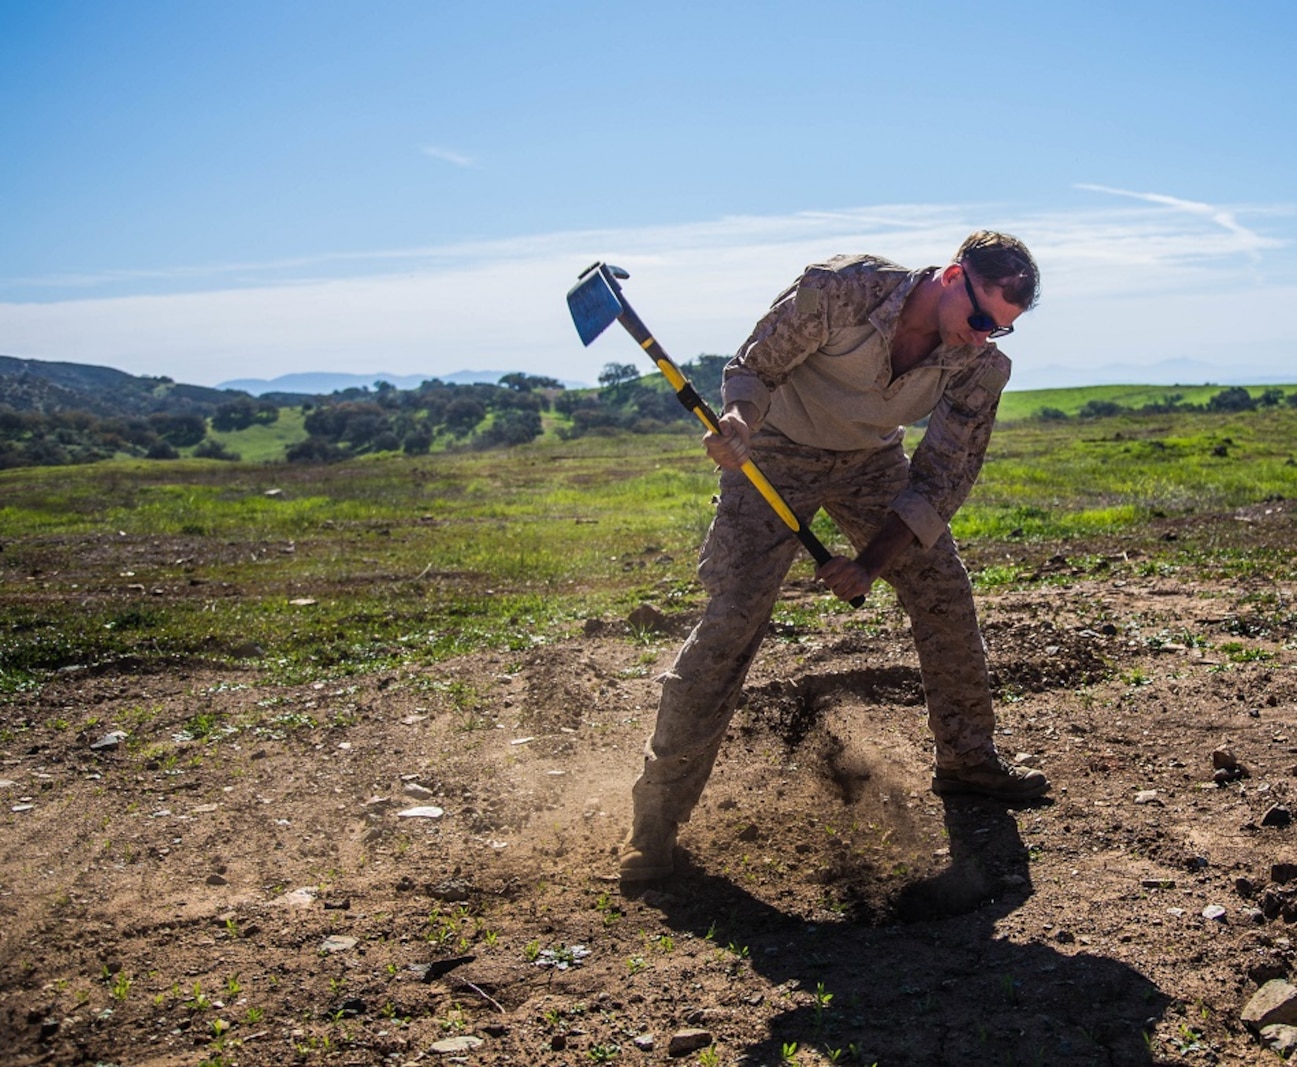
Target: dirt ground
<point>262,894</point>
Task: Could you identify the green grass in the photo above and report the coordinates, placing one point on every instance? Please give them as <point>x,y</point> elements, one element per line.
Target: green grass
<point>1027,404</point>
<point>265,444</point>
<point>404,562</point>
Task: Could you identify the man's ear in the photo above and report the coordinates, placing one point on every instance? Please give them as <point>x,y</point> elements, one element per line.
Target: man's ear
<point>952,274</point>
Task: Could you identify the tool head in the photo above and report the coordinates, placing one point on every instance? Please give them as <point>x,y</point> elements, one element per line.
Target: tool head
<point>595,300</point>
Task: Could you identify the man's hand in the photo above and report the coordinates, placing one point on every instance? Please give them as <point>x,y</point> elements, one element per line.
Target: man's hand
<point>731,447</point>
<point>846,577</point>
<point>850,578</point>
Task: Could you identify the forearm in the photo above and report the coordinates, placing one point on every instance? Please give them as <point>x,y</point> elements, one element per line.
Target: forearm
<point>893,538</point>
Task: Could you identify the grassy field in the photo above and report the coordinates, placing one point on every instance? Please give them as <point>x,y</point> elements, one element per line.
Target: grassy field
<point>345,568</point>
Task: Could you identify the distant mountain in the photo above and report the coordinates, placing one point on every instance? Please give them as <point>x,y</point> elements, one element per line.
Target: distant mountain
<point>322,383</point>
<point>1028,377</point>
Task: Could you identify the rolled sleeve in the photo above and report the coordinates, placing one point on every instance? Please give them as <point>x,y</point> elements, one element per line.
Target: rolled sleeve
<point>949,458</point>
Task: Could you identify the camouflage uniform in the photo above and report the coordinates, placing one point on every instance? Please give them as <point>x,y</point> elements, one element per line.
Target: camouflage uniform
<point>818,369</point>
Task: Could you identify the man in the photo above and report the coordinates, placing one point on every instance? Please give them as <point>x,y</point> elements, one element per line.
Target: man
<point>818,395</point>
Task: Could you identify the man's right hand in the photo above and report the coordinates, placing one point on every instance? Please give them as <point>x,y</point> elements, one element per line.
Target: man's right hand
<point>731,447</point>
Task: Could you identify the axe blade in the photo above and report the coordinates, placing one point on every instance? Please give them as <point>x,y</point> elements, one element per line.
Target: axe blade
<point>594,303</point>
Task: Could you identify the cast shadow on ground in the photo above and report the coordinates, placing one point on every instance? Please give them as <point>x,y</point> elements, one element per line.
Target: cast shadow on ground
<point>931,982</point>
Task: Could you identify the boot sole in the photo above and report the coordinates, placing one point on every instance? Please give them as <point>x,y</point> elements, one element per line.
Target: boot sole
<point>646,874</point>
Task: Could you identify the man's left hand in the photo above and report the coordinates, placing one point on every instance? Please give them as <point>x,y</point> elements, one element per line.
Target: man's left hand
<point>847,578</point>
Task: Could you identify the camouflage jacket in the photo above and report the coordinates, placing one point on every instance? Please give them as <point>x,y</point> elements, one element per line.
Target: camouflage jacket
<point>818,369</point>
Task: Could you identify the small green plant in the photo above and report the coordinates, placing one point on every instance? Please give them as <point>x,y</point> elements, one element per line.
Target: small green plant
<point>121,986</point>
<point>232,986</point>
<point>822,1001</point>
<point>531,951</point>
<point>254,1016</point>
<point>709,1057</point>
<point>788,1054</point>
<point>604,1053</point>
<point>636,964</point>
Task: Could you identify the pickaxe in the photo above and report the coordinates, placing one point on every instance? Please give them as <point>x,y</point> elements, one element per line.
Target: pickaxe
<point>596,302</point>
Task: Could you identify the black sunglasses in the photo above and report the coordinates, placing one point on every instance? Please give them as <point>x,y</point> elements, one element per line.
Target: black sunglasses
<point>979,320</point>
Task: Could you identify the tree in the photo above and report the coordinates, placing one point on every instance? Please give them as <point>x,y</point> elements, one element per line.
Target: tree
<point>1235,398</point>
<point>616,375</point>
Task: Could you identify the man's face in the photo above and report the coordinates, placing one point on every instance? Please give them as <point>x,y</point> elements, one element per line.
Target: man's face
<point>957,305</point>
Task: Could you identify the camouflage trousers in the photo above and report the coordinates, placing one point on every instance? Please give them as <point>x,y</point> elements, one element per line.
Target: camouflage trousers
<point>742,564</point>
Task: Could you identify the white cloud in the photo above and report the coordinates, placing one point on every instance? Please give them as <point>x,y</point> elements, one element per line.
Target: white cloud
<point>447,155</point>
<point>1130,286</point>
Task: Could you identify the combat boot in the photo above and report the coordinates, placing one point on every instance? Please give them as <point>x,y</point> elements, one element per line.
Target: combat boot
<point>991,778</point>
<point>646,854</point>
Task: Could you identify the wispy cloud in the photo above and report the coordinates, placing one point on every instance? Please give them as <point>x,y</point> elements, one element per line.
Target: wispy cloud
<point>1251,242</point>
<point>1123,285</point>
<point>447,155</point>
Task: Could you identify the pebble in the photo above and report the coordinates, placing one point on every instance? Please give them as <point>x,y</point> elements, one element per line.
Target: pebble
<point>110,740</point>
<point>1274,1002</point>
<point>1277,816</point>
<point>428,812</point>
<point>687,1041</point>
<point>337,943</point>
<point>450,1045</point>
<point>416,790</point>
<point>1214,911</point>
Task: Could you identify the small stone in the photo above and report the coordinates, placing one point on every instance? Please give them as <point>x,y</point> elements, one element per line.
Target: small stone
<point>1214,911</point>
<point>1283,872</point>
<point>450,1045</point>
<point>687,1041</point>
<point>644,1042</point>
<point>216,879</point>
<point>110,740</point>
<point>1147,796</point>
<point>299,898</point>
<point>1274,1002</point>
<point>1223,759</point>
<point>421,813</point>
<point>1280,1038</point>
<point>1277,816</point>
<point>337,943</point>
<point>416,790</point>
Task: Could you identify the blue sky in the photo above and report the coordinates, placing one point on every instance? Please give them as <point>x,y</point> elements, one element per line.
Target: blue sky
<point>251,189</point>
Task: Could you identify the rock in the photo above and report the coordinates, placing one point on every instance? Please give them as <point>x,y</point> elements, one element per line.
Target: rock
<point>1214,911</point>
<point>1223,760</point>
<point>421,813</point>
<point>1280,1038</point>
<point>1147,796</point>
<point>416,790</point>
<point>452,891</point>
<point>687,1041</point>
<point>216,879</point>
<point>1277,816</point>
<point>450,1045</point>
<point>1274,1002</point>
<point>6,783</point>
<point>337,943</point>
<point>298,898</point>
<point>644,1042</point>
<point>1283,872</point>
<point>110,741</point>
